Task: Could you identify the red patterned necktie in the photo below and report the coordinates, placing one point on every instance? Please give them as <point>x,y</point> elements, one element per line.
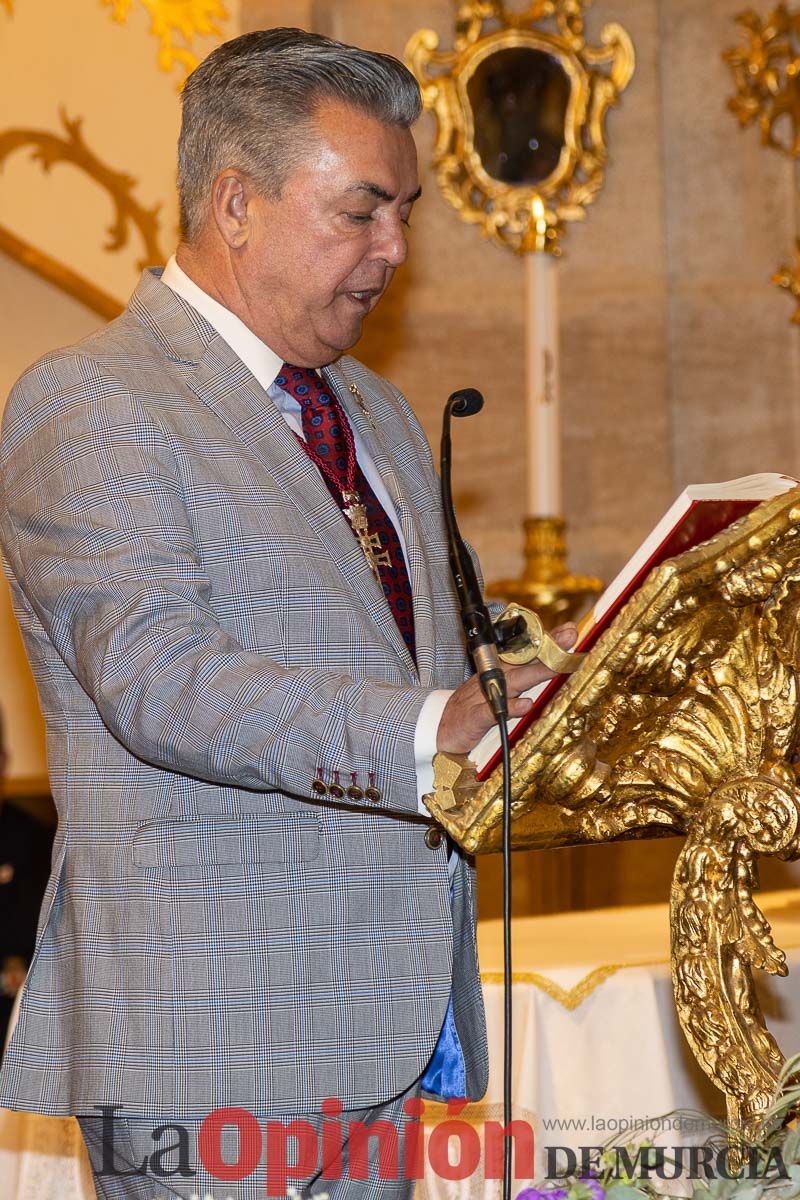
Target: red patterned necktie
<point>329,444</point>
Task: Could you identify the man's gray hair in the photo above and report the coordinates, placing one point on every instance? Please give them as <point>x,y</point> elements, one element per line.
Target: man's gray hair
<point>251,102</point>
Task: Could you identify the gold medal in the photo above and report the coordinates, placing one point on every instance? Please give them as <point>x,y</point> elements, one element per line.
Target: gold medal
<point>370,543</point>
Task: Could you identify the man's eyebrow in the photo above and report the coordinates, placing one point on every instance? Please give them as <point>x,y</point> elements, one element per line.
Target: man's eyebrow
<point>381,194</point>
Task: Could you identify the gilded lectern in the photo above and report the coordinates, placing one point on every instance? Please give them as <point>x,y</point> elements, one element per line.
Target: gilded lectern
<point>683,719</point>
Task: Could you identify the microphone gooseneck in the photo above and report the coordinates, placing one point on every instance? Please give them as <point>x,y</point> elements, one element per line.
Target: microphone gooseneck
<point>478,630</point>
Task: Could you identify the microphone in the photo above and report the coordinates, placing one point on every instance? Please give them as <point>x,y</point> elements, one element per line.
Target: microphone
<point>478,630</point>
<point>466,403</point>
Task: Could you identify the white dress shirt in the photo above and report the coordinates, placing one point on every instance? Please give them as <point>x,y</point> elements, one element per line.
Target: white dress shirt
<point>265,366</point>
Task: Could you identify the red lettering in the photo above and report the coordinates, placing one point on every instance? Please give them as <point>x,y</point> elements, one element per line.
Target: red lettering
<point>495,1135</point>
<point>279,1170</point>
<point>332,1141</point>
<point>209,1143</point>
<point>439,1150</point>
<point>413,1139</point>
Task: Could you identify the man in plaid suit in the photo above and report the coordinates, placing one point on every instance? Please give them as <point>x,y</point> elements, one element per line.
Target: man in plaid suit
<point>246,907</point>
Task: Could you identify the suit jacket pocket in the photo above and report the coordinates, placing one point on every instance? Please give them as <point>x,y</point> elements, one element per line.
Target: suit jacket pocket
<point>251,838</point>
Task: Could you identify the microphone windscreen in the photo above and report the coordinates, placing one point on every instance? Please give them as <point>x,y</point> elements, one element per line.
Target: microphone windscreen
<point>466,402</point>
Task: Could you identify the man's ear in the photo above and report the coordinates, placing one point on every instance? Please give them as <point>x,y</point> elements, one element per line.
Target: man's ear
<point>230,198</point>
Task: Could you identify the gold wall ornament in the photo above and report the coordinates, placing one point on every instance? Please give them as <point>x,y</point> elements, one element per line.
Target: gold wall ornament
<point>788,278</point>
<point>766,72</point>
<point>683,719</point>
<point>520,104</point>
<point>129,216</point>
<point>60,275</point>
<point>184,19</point>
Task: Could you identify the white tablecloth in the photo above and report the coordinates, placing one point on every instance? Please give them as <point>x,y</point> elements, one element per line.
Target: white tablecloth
<point>596,1046</point>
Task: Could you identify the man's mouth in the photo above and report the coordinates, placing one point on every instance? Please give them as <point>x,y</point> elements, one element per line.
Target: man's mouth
<point>363,299</point>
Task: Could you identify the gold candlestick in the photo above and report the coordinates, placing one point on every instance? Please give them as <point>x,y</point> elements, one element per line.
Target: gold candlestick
<point>547,586</point>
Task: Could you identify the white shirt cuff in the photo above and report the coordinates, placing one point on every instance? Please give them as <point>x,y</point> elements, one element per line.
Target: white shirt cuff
<point>425,735</point>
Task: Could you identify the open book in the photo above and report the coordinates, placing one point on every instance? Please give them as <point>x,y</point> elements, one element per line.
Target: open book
<point>699,513</point>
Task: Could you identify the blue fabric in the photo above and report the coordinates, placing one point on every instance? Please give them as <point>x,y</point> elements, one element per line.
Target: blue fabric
<point>445,1075</point>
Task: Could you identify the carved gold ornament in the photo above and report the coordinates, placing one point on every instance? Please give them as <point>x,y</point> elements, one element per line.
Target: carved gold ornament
<point>520,104</point>
<point>184,19</point>
<point>766,72</point>
<point>129,216</point>
<point>683,719</point>
<point>788,277</point>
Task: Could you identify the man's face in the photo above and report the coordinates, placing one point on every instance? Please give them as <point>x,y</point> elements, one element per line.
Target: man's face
<point>317,260</point>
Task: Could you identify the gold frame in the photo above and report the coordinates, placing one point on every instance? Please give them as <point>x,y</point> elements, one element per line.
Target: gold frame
<point>509,213</point>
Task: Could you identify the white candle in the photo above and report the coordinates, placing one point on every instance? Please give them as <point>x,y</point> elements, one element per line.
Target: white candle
<point>544,492</point>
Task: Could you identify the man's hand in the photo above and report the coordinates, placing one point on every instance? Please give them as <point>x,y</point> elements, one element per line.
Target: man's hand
<point>467,716</point>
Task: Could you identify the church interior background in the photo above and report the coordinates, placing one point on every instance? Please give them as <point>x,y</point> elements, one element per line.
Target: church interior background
<point>679,364</point>
<point>680,361</point>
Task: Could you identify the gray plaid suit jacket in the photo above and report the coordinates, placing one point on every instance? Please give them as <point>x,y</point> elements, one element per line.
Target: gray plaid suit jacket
<point>208,641</point>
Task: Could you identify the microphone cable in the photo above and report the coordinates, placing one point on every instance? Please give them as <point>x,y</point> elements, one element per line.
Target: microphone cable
<point>502,724</point>
<point>483,650</point>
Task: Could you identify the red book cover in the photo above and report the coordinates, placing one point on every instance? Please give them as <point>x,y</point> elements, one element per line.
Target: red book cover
<point>703,520</point>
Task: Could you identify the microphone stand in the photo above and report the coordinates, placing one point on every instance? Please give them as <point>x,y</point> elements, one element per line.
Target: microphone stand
<point>483,650</point>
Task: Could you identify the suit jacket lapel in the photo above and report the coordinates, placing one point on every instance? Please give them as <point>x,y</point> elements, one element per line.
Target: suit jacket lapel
<point>421,586</point>
<point>221,380</point>
<point>224,383</point>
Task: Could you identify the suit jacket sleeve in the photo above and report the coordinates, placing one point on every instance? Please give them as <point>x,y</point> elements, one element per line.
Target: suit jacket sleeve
<point>97,535</point>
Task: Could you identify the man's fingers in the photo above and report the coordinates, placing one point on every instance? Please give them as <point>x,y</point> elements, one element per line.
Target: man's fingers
<point>566,635</point>
<point>467,715</point>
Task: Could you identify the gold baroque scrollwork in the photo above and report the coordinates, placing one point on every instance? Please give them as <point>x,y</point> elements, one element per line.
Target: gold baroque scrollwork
<point>719,935</point>
<point>683,719</point>
<point>185,19</point>
<point>788,278</point>
<point>766,73</point>
<point>51,148</point>
<point>508,212</point>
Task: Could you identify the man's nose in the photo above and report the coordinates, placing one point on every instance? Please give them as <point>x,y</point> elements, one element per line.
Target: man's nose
<point>393,244</point>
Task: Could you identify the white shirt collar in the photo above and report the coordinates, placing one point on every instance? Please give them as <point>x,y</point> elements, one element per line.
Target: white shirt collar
<point>262,362</point>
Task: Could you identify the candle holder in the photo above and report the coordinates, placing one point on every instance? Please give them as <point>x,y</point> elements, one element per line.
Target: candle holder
<point>521,102</point>
<point>547,585</point>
